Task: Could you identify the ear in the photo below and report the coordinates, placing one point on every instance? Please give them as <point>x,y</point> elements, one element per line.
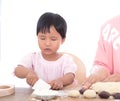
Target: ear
<point>63,40</point>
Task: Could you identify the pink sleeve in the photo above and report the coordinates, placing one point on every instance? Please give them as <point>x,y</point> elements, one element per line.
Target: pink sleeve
<point>101,57</point>
<point>69,65</point>
<point>107,54</point>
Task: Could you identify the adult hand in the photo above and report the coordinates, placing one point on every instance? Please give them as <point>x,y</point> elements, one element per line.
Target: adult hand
<point>99,74</point>
<point>90,80</point>
<point>31,78</point>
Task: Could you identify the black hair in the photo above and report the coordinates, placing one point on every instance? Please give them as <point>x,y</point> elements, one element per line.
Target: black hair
<point>50,19</point>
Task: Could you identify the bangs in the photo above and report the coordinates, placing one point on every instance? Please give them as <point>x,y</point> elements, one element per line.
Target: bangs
<point>45,29</point>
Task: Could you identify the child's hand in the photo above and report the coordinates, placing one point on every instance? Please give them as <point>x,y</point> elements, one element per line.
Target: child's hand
<point>31,78</point>
<point>56,84</point>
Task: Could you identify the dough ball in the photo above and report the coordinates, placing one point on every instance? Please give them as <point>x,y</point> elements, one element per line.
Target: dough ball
<point>104,95</point>
<point>116,96</point>
<point>74,93</point>
<point>90,93</point>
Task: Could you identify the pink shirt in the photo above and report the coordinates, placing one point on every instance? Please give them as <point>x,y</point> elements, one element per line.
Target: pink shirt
<point>49,70</point>
<point>108,52</point>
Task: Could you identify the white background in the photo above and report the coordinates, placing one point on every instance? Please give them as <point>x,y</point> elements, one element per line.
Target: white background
<point>18,28</point>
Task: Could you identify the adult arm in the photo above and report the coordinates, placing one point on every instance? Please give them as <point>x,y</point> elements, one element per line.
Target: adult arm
<point>97,75</point>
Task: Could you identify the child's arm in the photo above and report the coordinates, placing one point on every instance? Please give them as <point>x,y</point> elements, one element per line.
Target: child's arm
<point>21,72</point>
<point>30,75</point>
<point>59,83</point>
<point>68,79</point>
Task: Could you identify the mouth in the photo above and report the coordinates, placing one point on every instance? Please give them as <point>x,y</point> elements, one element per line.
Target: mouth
<point>47,50</point>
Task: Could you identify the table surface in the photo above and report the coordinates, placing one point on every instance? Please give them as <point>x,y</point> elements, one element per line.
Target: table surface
<point>21,94</point>
<point>24,94</point>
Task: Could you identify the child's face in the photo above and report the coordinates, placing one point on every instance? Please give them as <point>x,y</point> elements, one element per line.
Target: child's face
<point>49,43</point>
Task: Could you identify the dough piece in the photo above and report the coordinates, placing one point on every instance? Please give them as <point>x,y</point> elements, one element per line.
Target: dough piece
<point>116,96</point>
<point>74,93</point>
<point>110,87</point>
<point>82,90</point>
<point>90,93</point>
<point>104,95</point>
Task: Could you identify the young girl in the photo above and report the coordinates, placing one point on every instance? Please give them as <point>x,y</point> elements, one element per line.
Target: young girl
<point>55,68</point>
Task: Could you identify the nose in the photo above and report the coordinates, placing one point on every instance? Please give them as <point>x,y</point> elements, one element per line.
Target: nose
<point>47,42</point>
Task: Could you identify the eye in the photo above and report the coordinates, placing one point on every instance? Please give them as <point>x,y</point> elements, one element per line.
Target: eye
<point>42,38</point>
<point>53,39</point>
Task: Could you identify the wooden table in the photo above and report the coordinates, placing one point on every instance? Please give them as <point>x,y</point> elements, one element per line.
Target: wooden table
<point>21,94</point>
<point>24,94</point>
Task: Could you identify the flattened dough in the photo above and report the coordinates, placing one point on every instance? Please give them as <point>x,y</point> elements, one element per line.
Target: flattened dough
<point>111,87</point>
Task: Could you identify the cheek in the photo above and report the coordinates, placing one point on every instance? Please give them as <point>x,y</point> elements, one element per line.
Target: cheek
<point>39,44</point>
<point>57,45</point>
